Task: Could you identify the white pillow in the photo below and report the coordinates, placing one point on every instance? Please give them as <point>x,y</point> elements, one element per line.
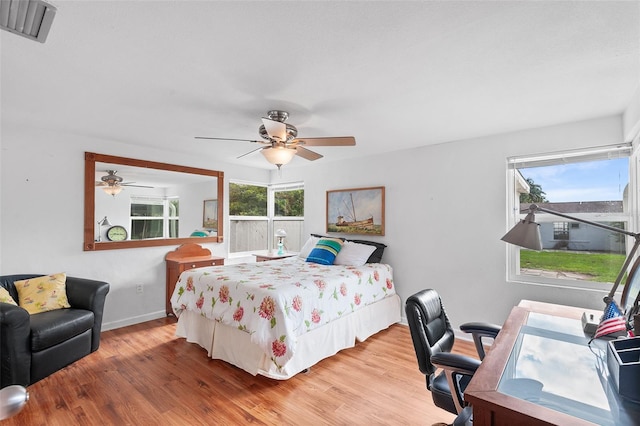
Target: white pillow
<point>307,247</point>
<point>354,254</point>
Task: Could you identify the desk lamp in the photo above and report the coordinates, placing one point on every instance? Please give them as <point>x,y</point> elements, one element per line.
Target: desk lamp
<point>526,233</point>
<point>103,222</point>
<point>280,234</point>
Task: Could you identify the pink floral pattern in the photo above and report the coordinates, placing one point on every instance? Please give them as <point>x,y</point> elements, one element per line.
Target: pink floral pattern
<point>297,303</point>
<point>279,300</point>
<point>238,314</point>
<point>224,294</point>
<point>267,308</point>
<point>343,289</point>
<point>315,316</point>
<point>278,348</point>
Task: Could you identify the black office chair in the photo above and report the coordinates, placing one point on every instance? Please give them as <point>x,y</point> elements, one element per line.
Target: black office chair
<point>433,339</point>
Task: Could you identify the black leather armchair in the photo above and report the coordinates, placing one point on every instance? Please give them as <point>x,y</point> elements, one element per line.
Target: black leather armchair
<point>447,374</point>
<point>34,346</point>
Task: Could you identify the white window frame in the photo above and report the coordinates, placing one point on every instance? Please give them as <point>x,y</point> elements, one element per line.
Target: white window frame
<point>516,184</point>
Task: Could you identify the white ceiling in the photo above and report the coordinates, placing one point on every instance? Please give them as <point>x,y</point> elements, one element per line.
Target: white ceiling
<point>394,74</point>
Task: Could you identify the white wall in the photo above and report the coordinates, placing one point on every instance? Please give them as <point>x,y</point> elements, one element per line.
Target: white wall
<point>445,213</point>
<point>41,191</point>
<point>631,117</point>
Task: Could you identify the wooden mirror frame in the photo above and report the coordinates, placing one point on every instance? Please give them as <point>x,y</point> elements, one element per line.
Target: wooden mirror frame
<point>90,244</point>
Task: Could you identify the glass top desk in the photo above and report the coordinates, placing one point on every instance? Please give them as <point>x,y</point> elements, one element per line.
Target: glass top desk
<point>541,371</point>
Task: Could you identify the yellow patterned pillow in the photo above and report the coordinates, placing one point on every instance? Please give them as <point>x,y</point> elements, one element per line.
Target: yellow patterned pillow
<point>43,294</point>
<point>6,297</point>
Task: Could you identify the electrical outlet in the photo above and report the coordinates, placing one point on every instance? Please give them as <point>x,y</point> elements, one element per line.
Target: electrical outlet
<point>139,289</point>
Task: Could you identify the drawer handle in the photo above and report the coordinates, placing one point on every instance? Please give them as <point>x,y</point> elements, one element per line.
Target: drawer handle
<point>193,266</point>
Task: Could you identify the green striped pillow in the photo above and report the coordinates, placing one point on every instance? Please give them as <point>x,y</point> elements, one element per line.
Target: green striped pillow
<point>325,251</point>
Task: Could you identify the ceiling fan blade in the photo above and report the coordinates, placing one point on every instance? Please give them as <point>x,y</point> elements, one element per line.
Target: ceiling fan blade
<point>229,139</point>
<point>135,186</point>
<point>336,141</point>
<point>252,151</point>
<point>307,154</point>
<point>275,129</point>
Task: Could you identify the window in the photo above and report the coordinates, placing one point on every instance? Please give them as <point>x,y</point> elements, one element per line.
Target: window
<point>560,230</point>
<point>249,222</point>
<point>593,185</point>
<point>154,217</point>
<point>257,211</point>
<point>288,214</point>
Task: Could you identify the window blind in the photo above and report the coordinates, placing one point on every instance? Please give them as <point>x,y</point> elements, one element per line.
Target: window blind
<point>565,157</point>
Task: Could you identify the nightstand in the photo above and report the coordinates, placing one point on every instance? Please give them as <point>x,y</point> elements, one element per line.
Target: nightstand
<point>272,255</point>
<point>185,257</point>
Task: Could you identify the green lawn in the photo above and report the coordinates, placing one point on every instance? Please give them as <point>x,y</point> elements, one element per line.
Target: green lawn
<point>603,267</point>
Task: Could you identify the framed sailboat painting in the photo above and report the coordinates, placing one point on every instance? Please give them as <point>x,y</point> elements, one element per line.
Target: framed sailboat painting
<point>356,211</point>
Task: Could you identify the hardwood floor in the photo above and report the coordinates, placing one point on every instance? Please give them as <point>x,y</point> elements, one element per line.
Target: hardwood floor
<point>143,375</point>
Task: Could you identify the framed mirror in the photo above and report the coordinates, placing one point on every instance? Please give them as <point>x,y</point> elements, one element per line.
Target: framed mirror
<point>132,203</point>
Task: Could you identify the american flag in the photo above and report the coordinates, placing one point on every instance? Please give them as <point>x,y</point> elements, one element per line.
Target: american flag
<point>612,321</point>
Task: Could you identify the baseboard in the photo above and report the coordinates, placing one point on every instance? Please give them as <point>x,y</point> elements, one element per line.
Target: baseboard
<point>106,326</point>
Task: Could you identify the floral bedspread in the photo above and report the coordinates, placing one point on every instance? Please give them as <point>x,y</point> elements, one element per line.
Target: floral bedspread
<point>277,301</point>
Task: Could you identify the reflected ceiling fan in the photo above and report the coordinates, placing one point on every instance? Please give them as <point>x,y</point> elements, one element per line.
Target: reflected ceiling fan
<point>112,184</point>
<point>281,140</point>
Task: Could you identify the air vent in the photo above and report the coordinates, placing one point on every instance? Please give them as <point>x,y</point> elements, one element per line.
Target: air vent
<point>28,18</point>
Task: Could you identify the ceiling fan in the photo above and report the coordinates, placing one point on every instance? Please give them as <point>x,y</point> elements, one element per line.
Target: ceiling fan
<point>112,184</point>
<point>281,140</point>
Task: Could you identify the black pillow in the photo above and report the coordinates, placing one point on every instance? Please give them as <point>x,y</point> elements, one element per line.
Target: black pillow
<point>376,256</point>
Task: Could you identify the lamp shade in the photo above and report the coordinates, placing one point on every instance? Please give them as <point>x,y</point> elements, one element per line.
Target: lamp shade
<point>278,155</point>
<point>104,222</point>
<point>112,189</point>
<point>281,233</point>
<point>525,234</point>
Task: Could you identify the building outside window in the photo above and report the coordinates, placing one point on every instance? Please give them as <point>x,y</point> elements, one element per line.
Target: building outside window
<point>256,212</point>
<point>598,185</point>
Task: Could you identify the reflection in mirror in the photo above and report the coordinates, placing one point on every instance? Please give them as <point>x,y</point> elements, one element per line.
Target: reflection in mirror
<point>147,202</point>
<point>136,203</point>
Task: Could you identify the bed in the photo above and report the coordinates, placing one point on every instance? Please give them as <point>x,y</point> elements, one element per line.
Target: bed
<point>279,318</point>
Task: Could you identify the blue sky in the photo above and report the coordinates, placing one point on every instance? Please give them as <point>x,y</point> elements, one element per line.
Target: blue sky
<point>602,180</point>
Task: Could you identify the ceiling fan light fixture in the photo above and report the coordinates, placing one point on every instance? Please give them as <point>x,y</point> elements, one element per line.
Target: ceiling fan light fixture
<point>279,155</point>
<point>280,142</point>
<point>112,190</point>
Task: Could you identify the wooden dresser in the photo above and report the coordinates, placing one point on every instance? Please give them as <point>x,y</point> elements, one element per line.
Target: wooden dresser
<point>185,257</point>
